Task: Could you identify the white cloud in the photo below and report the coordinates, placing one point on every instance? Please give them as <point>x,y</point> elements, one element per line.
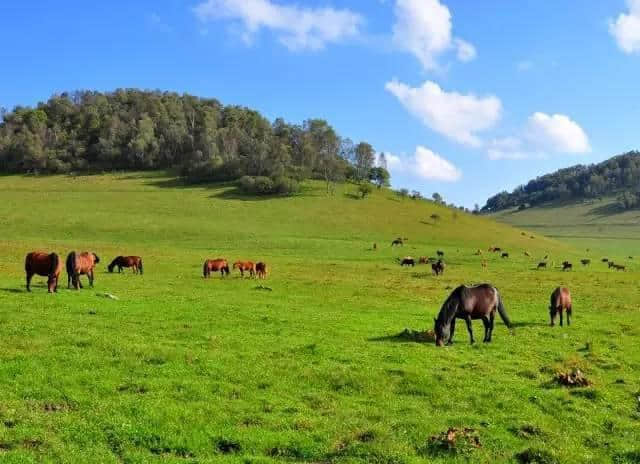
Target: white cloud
<point>424,164</point>
<point>543,135</point>
<point>430,165</point>
<point>423,28</point>
<point>524,65</point>
<point>626,28</point>
<point>454,115</point>
<point>557,133</point>
<point>296,27</point>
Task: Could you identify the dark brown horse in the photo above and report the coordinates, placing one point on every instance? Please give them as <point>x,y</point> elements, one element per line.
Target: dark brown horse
<point>215,265</point>
<point>469,303</point>
<point>560,301</point>
<point>120,262</point>
<point>505,255</point>
<point>585,262</point>
<point>438,267</point>
<point>542,265</point>
<point>79,264</point>
<point>567,266</point>
<point>247,266</point>
<point>261,270</point>
<point>408,261</point>
<point>397,242</point>
<point>44,264</point>
<point>440,253</point>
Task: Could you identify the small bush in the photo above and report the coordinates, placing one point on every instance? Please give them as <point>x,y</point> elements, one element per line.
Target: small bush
<point>261,185</point>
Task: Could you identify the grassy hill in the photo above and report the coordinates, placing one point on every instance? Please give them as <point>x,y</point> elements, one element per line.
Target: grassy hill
<point>598,224</point>
<point>314,368</point>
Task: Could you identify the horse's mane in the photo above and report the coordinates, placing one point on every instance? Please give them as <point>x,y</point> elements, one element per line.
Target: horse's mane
<point>448,309</point>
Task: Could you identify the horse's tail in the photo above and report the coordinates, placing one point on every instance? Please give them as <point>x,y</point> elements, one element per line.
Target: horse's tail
<point>503,312</point>
<point>140,267</point>
<point>71,259</point>
<point>55,262</point>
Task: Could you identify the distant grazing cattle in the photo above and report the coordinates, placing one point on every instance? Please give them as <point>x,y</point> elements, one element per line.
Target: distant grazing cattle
<point>567,266</point>
<point>630,257</point>
<point>605,260</point>
<point>542,265</point>
<point>408,261</point>
<point>560,301</point>
<point>505,255</point>
<point>478,252</point>
<point>611,264</point>
<point>440,253</point>
<point>375,246</point>
<point>619,267</point>
<point>423,260</point>
<point>585,262</point>
<point>397,242</point>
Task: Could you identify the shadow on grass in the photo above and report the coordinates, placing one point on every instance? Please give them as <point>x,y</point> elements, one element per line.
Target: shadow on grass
<point>16,290</point>
<point>407,336</point>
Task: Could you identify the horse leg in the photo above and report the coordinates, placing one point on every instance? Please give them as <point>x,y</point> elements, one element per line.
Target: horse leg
<point>90,276</point>
<point>560,317</point>
<point>491,324</point>
<point>470,329</point>
<point>452,331</point>
<point>552,316</point>
<point>29,277</point>
<point>569,315</point>
<point>485,321</point>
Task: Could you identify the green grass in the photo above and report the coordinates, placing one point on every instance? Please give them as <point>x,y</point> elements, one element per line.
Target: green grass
<point>180,369</point>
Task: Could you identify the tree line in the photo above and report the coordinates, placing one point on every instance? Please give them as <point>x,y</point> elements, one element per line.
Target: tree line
<point>618,176</point>
<point>200,138</point>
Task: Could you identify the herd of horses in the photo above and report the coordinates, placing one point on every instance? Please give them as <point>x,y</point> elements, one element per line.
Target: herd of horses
<point>77,264</point>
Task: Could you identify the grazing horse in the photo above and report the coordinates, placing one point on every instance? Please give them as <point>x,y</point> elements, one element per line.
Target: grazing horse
<point>78,264</point>
<point>438,267</point>
<point>542,265</point>
<point>44,264</point>
<point>408,261</point>
<point>605,260</point>
<point>611,264</point>
<point>469,303</point>
<point>134,262</point>
<point>423,260</point>
<point>243,266</point>
<point>619,267</point>
<point>560,301</point>
<point>567,266</point>
<point>440,253</point>
<point>215,265</point>
<point>397,242</point>
<point>261,270</point>
<point>585,262</point>
<point>505,255</point>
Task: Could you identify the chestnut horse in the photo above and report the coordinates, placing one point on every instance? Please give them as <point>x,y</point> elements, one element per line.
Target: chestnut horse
<point>134,262</point>
<point>245,266</point>
<point>469,303</point>
<point>44,264</point>
<point>261,270</point>
<point>79,264</point>
<point>215,265</point>
<point>560,301</point>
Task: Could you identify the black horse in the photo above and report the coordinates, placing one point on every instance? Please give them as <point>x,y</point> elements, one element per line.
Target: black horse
<point>469,303</point>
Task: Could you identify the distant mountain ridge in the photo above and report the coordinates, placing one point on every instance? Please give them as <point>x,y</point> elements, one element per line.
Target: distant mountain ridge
<point>619,175</point>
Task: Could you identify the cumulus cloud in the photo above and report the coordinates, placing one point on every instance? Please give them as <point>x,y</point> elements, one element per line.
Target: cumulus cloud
<point>424,164</point>
<point>557,133</point>
<point>297,28</point>
<point>543,135</point>
<point>423,28</point>
<point>626,28</point>
<point>452,114</point>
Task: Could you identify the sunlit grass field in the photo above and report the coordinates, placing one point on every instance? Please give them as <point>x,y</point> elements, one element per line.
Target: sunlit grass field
<point>307,366</point>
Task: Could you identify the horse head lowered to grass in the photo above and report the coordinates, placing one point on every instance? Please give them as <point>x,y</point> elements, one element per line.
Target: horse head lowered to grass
<point>468,303</point>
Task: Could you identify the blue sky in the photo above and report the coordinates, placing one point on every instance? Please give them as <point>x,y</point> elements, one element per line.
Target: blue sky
<point>467,98</point>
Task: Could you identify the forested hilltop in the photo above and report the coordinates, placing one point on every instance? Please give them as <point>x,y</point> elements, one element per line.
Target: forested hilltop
<point>202,139</point>
<point>619,176</point>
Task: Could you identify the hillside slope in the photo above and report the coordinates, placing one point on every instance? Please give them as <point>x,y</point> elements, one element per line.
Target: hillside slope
<point>597,224</point>
<point>312,364</point>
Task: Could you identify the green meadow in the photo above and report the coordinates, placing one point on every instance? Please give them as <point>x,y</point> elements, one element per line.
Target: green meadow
<point>312,365</point>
